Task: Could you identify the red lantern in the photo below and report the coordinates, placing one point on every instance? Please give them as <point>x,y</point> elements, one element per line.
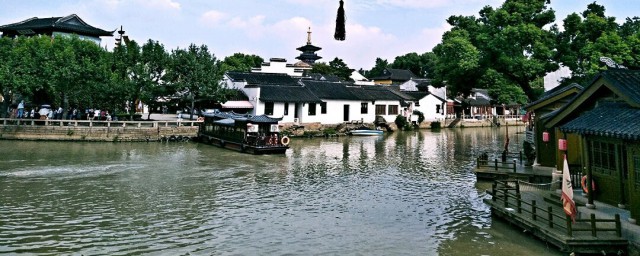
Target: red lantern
<point>545,137</point>
<point>562,144</point>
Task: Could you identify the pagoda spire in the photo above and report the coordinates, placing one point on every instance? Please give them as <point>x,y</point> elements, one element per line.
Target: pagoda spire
<point>308,54</point>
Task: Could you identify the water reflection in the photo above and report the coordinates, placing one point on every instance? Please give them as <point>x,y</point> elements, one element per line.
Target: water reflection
<point>402,193</point>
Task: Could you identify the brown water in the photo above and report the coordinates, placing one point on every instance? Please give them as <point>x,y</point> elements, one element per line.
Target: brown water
<point>407,193</point>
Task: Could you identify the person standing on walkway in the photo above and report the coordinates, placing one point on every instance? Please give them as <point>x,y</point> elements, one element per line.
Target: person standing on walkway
<point>21,109</point>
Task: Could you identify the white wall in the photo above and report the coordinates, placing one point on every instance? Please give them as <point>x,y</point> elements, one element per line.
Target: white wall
<point>428,108</point>
<point>280,66</point>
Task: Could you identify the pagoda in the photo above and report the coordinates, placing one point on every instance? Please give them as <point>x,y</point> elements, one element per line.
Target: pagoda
<point>308,54</point>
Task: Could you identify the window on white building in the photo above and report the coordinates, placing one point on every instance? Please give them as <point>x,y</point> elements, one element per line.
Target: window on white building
<point>312,109</point>
<point>393,109</point>
<point>268,108</point>
<point>364,108</point>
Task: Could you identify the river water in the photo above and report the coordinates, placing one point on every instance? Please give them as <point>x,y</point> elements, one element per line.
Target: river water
<point>406,193</point>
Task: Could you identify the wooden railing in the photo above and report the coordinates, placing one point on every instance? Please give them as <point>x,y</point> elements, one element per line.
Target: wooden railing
<point>482,162</point>
<point>93,123</point>
<point>511,197</point>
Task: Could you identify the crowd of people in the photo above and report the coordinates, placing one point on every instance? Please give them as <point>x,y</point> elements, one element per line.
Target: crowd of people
<point>47,112</point>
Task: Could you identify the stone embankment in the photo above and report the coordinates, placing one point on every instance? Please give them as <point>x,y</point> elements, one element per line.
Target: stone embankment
<point>76,130</point>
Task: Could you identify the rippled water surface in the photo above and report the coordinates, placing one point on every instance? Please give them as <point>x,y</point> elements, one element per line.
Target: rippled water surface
<point>407,193</point>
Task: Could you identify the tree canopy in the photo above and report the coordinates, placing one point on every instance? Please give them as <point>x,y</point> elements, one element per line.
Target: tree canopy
<point>504,50</point>
<point>592,35</point>
<point>336,67</point>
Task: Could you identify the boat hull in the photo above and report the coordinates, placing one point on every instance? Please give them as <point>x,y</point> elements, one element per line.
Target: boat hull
<point>366,132</point>
<point>242,147</point>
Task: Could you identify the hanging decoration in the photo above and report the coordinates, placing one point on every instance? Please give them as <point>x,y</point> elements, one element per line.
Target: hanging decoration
<point>340,34</point>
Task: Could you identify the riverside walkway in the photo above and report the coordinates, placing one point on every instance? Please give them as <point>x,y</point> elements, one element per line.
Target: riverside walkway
<point>537,209</point>
<point>166,127</point>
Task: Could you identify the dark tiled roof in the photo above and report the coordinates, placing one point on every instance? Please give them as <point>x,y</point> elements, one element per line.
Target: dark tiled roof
<point>369,93</point>
<point>627,82</point>
<point>608,119</point>
<point>396,75</point>
<point>71,23</point>
<point>298,94</point>
<point>330,90</point>
<point>242,117</point>
<point>408,95</point>
<point>419,95</point>
<point>263,78</point>
<point>554,92</point>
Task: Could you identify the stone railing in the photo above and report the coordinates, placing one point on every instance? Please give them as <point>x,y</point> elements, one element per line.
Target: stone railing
<point>90,130</point>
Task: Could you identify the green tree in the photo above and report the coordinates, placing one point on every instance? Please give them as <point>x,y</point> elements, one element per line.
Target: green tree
<point>340,69</point>
<point>336,67</point>
<point>458,64</point>
<point>240,62</point>
<point>421,65</point>
<point>377,69</point>
<point>509,44</point>
<point>588,37</point>
<point>30,70</point>
<point>195,73</point>
<point>321,68</point>
<point>6,73</point>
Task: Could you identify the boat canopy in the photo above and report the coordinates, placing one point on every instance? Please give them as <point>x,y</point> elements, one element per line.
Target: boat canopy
<point>241,118</point>
<point>225,122</point>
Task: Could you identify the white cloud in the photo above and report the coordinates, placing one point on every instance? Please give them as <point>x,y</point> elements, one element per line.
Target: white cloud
<point>162,4</point>
<point>213,17</point>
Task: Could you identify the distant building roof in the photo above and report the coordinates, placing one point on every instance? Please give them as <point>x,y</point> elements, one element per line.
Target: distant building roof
<point>400,75</point>
<point>297,94</point>
<point>67,24</point>
<point>330,90</point>
<point>263,78</point>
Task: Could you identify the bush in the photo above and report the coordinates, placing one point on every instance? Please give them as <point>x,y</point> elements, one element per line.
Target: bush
<point>420,116</point>
<point>330,131</point>
<point>401,122</point>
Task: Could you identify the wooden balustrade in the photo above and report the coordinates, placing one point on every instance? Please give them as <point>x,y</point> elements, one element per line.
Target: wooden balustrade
<point>511,197</point>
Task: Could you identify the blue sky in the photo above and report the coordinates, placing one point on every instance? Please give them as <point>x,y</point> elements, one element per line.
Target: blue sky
<point>274,28</point>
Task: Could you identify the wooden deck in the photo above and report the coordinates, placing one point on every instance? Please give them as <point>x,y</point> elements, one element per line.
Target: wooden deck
<point>534,211</point>
<point>512,168</point>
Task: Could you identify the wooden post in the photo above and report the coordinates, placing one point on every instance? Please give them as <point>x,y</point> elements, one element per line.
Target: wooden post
<point>493,191</point>
<point>496,163</point>
<point>569,231</point>
<point>593,225</point>
<point>550,215</point>
<point>518,187</point>
<point>618,227</point>
<point>534,216</point>
<point>478,162</point>
<point>506,198</point>
<point>520,153</point>
<point>519,203</point>
<point>514,166</point>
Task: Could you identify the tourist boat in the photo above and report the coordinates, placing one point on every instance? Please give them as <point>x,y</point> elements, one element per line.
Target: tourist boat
<point>365,131</point>
<point>244,133</point>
